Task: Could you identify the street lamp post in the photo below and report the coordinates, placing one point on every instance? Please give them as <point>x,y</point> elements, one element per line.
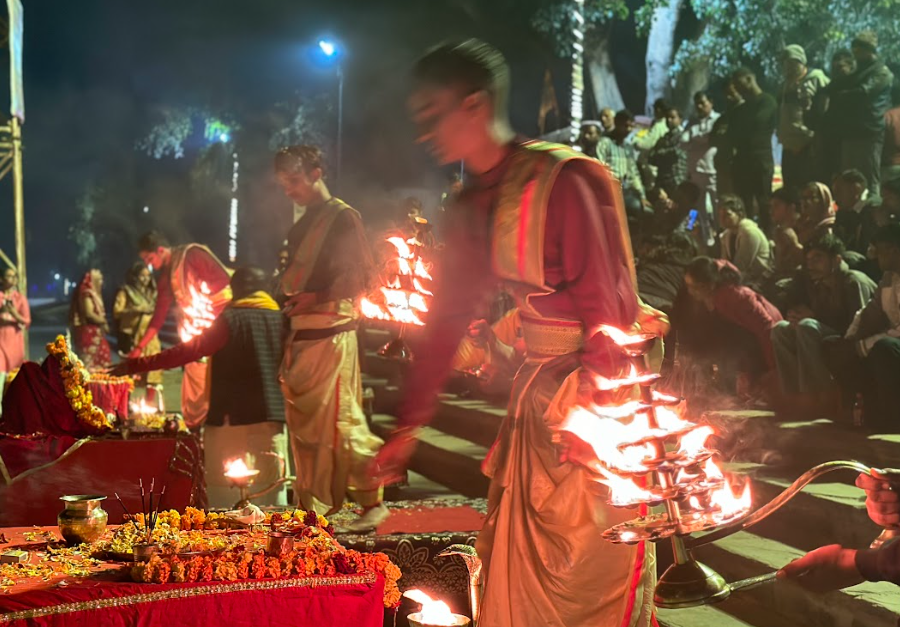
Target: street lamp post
<point>331,50</point>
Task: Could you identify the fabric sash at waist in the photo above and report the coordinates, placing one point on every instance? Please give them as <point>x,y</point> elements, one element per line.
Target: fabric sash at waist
<point>306,335</point>
<point>551,338</point>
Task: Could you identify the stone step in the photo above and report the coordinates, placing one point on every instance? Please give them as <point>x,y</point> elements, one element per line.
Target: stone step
<point>785,603</point>
<point>705,616</point>
<point>448,460</point>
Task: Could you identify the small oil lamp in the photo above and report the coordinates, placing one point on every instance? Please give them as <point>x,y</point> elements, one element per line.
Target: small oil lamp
<point>434,613</point>
<point>241,476</point>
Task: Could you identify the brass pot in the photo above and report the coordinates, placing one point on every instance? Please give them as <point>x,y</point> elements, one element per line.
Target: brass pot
<point>83,520</point>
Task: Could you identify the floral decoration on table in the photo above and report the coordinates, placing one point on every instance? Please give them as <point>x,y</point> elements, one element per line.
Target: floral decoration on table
<point>229,551</point>
<point>208,546</point>
<point>55,560</point>
<point>75,376</point>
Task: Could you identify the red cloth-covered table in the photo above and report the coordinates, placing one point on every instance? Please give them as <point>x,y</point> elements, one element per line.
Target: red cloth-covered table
<point>36,471</point>
<point>110,599</point>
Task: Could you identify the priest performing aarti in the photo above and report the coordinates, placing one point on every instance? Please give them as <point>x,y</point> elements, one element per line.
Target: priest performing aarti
<point>329,268</point>
<point>550,224</point>
<point>192,279</point>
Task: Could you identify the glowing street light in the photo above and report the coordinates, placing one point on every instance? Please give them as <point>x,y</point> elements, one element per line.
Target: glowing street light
<point>224,138</point>
<point>328,48</point>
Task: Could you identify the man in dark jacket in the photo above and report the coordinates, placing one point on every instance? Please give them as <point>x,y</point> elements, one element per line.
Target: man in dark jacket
<point>246,411</point>
<point>867,360</point>
<point>870,94</point>
<point>751,133</point>
<point>822,303</point>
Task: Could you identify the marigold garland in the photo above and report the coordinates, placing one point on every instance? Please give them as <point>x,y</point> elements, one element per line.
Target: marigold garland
<point>75,376</point>
<point>316,552</point>
<point>321,556</point>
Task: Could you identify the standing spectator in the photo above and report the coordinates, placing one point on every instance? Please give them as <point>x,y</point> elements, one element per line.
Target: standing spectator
<point>87,319</point>
<point>788,253</point>
<point>589,138</point>
<point>15,317</point>
<point>668,156</point>
<point>246,410</point>
<point>890,156</point>
<point>701,158</point>
<point>645,140</point>
<point>822,303</point>
<point>816,212</point>
<point>797,117</point>
<point>870,91</point>
<point>855,220</point>
<point>721,139</point>
<point>838,103</point>
<point>867,360</point>
<point>607,120</point>
<point>725,323</point>
<point>743,243</point>
<point>132,310</point>
<point>751,131</point>
<point>619,156</point>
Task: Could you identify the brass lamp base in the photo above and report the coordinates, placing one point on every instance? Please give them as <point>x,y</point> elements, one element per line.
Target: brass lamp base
<point>690,584</point>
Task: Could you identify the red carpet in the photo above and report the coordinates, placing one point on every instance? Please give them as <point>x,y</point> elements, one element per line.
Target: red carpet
<point>450,519</point>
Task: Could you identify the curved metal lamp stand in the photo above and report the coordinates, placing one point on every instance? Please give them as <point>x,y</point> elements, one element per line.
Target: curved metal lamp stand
<point>689,583</point>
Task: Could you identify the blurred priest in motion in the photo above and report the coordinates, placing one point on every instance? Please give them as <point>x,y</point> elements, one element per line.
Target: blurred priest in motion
<point>549,223</point>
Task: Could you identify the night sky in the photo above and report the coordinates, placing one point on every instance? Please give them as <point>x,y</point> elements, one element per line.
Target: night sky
<point>95,71</point>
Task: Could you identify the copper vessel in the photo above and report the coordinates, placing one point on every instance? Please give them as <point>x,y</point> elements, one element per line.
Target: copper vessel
<point>83,519</point>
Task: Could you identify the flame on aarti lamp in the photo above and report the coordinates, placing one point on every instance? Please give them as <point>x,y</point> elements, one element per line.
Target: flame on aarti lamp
<point>237,469</point>
<point>434,612</point>
<point>404,298</point>
<point>199,315</point>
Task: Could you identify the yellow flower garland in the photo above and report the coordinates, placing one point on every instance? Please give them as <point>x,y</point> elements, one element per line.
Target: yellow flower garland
<point>75,376</point>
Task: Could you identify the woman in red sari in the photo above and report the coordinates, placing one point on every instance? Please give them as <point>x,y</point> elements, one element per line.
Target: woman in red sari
<point>87,318</point>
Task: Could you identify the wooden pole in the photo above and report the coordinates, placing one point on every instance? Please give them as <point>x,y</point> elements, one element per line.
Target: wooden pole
<point>19,206</point>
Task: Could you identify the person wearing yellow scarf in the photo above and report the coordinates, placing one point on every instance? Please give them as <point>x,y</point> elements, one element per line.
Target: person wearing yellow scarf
<point>246,412</point>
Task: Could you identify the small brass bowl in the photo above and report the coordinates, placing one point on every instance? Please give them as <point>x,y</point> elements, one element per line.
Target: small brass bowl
<point>143,552</point>
<point>279,544</point>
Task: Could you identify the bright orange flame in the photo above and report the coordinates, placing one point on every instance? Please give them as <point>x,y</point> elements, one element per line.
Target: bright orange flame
<point>144,408</point>
<point>401,300</point>
<point>620,337</point>
<point>434,612</point>
<point>633,378</point>
<point>199,315</point>
<point>237,469</point>
<point>728,503</point>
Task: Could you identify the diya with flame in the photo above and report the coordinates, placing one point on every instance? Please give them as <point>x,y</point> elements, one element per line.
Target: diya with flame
<point>404,297</point>
<point>650,456</point>
<point>241,476</point>
<point>434,613</point>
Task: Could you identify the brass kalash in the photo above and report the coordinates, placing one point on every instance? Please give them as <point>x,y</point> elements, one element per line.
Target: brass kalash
<point>659,460</point>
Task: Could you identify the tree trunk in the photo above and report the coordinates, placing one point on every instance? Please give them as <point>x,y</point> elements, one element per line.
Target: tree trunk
<point>694,79</point>
<point>603,77</point>
<point>660,50</point>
